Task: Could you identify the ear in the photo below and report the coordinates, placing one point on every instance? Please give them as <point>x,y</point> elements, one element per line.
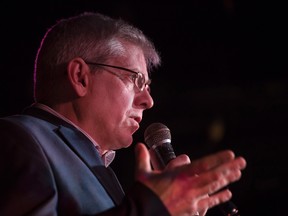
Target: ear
<point>78,75</point>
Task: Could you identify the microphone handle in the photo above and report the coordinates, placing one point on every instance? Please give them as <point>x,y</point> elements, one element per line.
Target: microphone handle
<point>229,209</point>
<point>162,154</point>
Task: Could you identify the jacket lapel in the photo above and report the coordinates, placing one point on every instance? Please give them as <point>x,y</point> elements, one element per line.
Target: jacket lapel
<point>85,150</point>
<point>89,154</point>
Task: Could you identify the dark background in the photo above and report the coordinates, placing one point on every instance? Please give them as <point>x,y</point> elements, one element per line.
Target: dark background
<point>222,84</point>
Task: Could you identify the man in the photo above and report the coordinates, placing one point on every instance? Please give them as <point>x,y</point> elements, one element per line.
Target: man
<point>91,86</point>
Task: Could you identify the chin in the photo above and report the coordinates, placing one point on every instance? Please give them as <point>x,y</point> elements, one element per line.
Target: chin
<point>126,143</point>
<point>122,142</point>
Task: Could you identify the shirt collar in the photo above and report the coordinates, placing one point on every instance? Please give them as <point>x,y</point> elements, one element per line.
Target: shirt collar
<point>107,158</point>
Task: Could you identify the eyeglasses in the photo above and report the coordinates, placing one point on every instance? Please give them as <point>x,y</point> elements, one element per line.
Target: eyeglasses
<point>138,78</point>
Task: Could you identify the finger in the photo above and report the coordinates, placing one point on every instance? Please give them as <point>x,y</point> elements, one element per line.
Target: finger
<point>202,212</point>
<point>180,160</point>
<point>142,160</point>
<point>211,161</point>
<point>216,179</point>
<point>215,199</point>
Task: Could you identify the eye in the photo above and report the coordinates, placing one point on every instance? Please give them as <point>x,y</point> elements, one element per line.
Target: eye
<point>140,81</point>
<point>148,88</point>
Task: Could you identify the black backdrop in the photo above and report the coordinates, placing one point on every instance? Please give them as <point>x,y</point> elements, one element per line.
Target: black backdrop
<point>223,82</point>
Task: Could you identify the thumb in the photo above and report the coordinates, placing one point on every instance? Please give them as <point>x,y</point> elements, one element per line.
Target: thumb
<point>142,160</point>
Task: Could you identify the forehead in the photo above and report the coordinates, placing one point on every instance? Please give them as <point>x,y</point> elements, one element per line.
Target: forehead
<point>130,56</point>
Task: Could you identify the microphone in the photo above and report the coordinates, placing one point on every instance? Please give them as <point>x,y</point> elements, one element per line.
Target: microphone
<point>157,137</point>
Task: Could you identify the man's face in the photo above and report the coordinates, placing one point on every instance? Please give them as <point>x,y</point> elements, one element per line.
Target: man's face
<point>115,104</point>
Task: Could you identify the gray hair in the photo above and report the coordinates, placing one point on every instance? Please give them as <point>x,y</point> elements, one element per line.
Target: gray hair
<point>91,36</point>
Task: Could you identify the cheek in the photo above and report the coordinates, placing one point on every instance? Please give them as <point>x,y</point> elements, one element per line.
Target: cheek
<point>118,102</point>
<point>114,99</point>
<point>123,101</point>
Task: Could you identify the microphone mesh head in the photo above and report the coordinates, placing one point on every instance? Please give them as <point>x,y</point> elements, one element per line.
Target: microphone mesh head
<point>155,133</point>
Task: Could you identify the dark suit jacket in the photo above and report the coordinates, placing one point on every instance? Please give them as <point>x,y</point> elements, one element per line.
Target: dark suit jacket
<point>48,167</point>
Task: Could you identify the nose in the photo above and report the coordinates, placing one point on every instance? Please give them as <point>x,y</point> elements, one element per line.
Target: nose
<point>144,99</point>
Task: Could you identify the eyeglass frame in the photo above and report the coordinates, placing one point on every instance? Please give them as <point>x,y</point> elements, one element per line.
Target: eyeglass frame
<point>135,78</point>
